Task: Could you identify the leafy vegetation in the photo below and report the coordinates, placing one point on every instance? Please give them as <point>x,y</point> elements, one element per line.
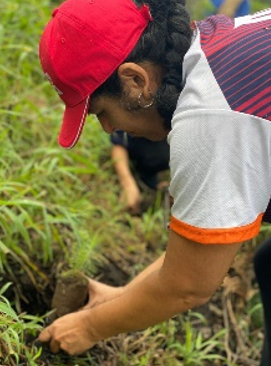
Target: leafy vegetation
<point>14,329</point>
<point>59,209</point>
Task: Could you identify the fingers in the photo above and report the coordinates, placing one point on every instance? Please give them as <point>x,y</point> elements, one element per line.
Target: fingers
<point>68,333</point>
<point>72,348</point>
<point>54,346</point>
<point>46,337</point>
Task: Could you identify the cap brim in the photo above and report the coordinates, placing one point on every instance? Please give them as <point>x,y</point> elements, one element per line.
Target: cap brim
<point>73,123</point>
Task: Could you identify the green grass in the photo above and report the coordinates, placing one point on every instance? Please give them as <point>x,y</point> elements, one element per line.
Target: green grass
<point>14,329</point>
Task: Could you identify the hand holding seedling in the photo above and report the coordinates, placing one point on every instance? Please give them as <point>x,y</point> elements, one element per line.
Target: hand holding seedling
<point>72,333</point>
<point>100,293</point>
<point>161,291</point>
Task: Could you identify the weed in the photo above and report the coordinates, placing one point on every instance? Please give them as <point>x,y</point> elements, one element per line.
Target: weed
<point>14,329</point>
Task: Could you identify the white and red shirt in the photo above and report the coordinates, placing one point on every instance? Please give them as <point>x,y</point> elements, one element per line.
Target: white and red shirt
<point>220,142</point>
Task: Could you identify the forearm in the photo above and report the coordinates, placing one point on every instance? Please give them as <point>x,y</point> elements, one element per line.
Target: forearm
<point>100,292</point>
<point>184,278</point>
<point>122,166</point>
<point>142,304</point>
<point>131,193</point>
<point>229,7</point>
<point>146,272</point>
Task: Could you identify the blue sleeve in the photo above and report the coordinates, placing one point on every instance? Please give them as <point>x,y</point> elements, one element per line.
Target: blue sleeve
<point>243,9</point>
<point>117,138</point>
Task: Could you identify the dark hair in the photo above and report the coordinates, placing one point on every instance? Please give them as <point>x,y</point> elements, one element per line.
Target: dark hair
<point>164,42</point>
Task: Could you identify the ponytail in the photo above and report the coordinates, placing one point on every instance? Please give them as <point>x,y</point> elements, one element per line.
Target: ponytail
<point>164,42</point>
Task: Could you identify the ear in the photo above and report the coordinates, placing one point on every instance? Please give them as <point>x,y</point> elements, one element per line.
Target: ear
<point>136,78</point>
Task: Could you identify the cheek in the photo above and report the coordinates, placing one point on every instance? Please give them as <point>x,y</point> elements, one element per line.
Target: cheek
<point>106,125</point>
<point>129,103</point>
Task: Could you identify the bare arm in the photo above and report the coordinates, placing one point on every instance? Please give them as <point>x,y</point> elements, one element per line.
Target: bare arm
<point>189,275</point>
<point>100,292</point>
<point>229,7</point>
<point>127,181</point>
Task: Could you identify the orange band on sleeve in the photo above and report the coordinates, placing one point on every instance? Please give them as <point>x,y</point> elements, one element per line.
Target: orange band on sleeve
<point>216,236</point>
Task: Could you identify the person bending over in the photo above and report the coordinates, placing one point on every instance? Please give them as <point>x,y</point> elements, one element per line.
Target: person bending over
<point>138,162</point>
<point>145,69</point>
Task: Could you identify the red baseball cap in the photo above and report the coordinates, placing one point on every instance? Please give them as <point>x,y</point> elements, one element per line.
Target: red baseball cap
<point>81,46</point>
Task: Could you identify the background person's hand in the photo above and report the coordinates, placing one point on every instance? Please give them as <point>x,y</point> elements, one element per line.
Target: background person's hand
<point>229,7</point>
<point>131,198</point>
